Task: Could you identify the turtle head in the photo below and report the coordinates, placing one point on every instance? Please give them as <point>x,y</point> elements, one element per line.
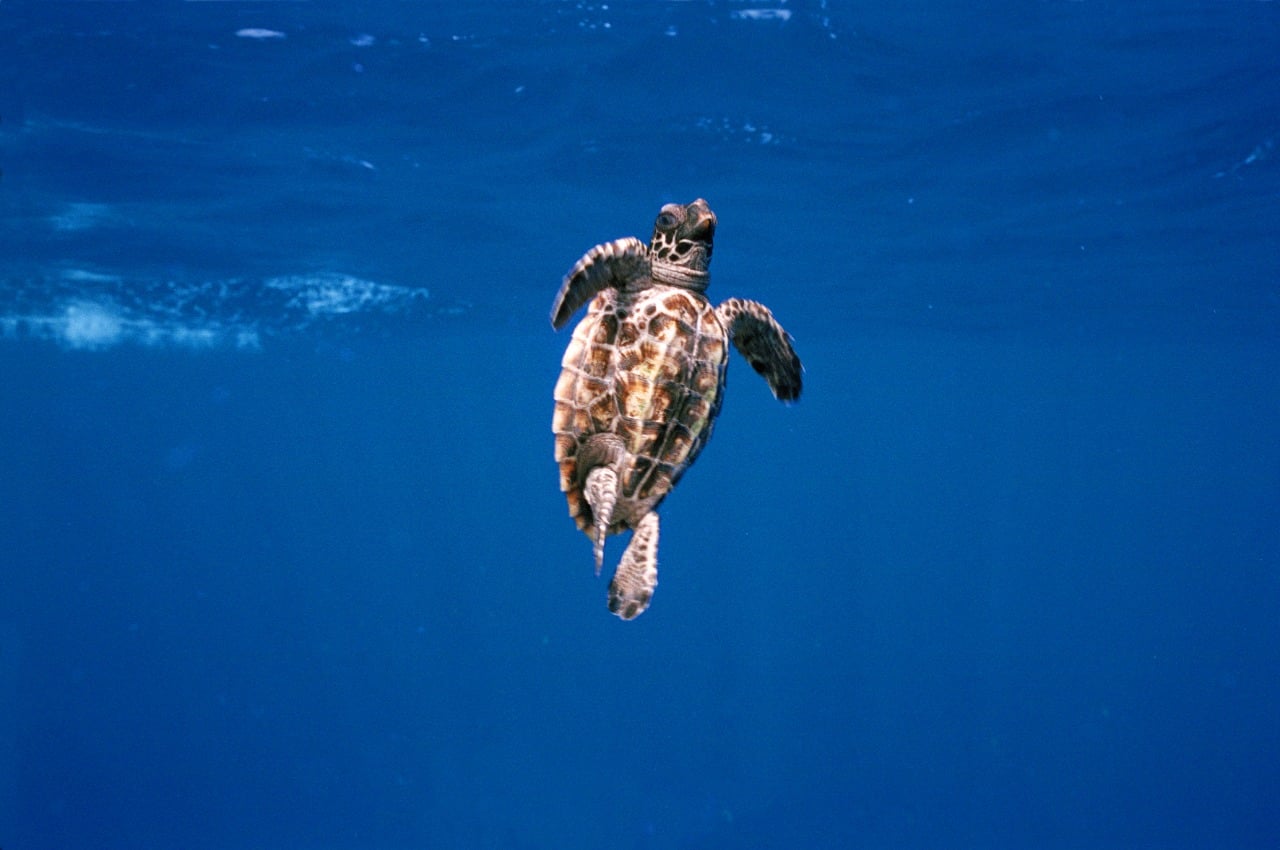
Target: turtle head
<point>680,251</point>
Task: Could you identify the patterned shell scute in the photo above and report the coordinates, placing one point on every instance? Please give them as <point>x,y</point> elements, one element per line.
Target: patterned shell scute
<point>649,367</point>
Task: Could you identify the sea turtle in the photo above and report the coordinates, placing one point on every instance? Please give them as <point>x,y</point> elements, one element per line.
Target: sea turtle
<point>642,379</point>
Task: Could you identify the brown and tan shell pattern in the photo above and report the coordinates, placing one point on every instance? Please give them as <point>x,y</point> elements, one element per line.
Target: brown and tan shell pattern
<point>648,366</point>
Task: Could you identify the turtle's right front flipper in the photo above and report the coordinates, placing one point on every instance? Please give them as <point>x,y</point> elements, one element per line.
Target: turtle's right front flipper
<point>610,264</point>
<point>766,346</point>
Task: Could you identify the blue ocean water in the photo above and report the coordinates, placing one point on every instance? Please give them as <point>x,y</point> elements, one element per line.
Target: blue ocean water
<point>283,560</point>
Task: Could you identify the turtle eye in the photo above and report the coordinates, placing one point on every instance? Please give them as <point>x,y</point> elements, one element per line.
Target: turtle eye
<point>666,220</point>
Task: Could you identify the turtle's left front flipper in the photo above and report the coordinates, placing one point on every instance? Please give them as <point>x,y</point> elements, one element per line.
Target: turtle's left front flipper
<point>609,264</point>
<point>767,347</point>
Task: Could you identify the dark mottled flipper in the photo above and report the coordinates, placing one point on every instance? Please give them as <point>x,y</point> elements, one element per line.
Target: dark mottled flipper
<point>610,264</point>
<point>767,347</point>
<point>637,575</point>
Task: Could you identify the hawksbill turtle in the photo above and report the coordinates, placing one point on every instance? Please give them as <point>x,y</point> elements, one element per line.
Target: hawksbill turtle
<point>642,381</point>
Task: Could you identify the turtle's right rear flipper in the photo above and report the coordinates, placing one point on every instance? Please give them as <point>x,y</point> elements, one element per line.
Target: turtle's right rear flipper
<point>637,575</point>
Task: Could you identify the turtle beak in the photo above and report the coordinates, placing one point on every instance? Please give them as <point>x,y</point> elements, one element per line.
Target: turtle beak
<point>703,220</point>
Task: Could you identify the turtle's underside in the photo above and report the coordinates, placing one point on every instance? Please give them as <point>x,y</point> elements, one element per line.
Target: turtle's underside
<point>642,379</point>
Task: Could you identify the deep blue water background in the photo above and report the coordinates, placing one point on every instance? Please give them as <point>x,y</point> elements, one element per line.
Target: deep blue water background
<point>283,562</point>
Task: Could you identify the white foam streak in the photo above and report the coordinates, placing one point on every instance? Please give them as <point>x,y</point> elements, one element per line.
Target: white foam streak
<point>90,325</point>
<point>95,326</point>
<point>762,15</point>
<point>334,295</point>
<point>87,310</point>
<point>259,33</point>
<point>81,216</point>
